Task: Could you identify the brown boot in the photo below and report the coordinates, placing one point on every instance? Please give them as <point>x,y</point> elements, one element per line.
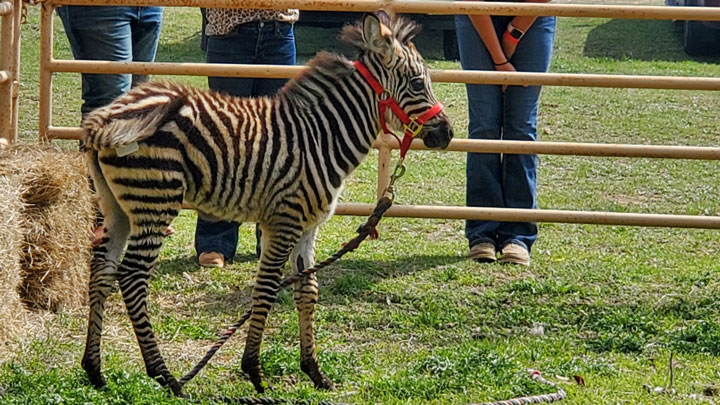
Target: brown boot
<point>515,254</point>
<point>483,252</point>
<point>211,259</point>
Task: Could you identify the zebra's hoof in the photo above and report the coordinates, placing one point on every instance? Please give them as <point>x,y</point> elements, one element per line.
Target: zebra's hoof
<point>168,381</point>
<point>251,367</point>
<point>176,388</point>
<point>261,385</point>
<point>94,374</point>
<point>325,384</point>
<point>97,380</point>
<point>312,369</point>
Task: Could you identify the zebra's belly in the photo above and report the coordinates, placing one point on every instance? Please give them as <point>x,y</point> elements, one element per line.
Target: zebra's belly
<point>215,210</point>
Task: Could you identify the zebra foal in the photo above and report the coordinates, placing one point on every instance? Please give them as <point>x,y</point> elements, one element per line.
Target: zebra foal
<point>279,161</point>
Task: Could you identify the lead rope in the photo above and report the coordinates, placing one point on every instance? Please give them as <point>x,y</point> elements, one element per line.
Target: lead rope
<point>559,395</point>
<point>364,230</point>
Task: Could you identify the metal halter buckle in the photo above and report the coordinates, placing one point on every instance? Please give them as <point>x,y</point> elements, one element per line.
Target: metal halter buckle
<point>412,127</point>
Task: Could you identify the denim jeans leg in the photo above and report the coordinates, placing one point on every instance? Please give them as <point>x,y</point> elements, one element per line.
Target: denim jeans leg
<point>145,35</point>
<point>237,47</point>
<point>99,33</point>
<point>222,236</point>
<point>252,43</point>
<point>216,236</point>
<point>520,109</point>
<point>276,47</point>
<point>483,176</point>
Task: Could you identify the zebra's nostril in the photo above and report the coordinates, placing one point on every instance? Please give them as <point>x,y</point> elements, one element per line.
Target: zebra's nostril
<point>438,137</point>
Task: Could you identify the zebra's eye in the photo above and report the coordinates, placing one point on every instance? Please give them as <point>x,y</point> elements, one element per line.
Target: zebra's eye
<point>417,84</point>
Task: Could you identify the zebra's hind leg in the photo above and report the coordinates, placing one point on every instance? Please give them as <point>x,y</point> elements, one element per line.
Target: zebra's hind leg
<point>306,295</point>
<point>142,251</point>
<point>103,271</point>
<point>276,248</point>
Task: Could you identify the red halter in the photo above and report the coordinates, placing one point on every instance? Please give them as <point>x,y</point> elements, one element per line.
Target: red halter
<point>411,125</point>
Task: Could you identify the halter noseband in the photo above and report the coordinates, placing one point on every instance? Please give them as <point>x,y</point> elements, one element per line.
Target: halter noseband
<point>411,125</point>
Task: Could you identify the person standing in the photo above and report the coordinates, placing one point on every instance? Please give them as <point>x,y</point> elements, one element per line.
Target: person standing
<point>115,33</point>
<point>243,36</point>
<point>507,44</point>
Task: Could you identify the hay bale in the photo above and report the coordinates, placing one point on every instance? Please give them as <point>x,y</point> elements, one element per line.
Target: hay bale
<point>57,218</point>
<point>12,312</point>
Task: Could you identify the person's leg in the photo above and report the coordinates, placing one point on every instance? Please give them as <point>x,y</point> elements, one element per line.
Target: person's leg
<point>521,106</point>
<point>99,33</point>
<point>484,177</point>
<point>276,47</point>
<point>216,236</point>
<point>236,47</point>
<point>145,35</point>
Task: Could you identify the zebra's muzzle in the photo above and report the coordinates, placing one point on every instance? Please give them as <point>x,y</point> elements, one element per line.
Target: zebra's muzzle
<point>437,135</point>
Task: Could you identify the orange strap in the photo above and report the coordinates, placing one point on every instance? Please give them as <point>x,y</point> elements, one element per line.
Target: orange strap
<point>411,126</point>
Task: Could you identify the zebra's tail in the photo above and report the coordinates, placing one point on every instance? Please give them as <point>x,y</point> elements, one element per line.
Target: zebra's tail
<point>126,121</point>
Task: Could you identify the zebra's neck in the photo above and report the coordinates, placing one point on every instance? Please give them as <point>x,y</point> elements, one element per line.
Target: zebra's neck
<point>337,111</point>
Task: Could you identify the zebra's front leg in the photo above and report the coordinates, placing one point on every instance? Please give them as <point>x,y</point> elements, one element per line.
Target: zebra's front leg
<point>276,247</point>
<point>133,273</point>
<point>306,296</point>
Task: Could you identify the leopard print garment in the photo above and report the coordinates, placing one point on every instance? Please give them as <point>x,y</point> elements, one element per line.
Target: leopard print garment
<point>222,20</point>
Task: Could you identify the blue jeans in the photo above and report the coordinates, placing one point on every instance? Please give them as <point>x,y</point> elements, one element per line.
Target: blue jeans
<point>258,42</point>
<point>508,180</point>
<point>116,33</point>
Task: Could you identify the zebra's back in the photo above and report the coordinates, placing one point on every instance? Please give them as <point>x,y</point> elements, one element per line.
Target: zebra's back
<point>229,157</point>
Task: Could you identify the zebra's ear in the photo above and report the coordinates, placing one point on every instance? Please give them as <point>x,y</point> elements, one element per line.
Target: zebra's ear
<point>377,35</point>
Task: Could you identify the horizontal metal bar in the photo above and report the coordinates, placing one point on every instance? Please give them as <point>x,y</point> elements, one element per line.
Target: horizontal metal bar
<point>452,76</point>
<point>179,69</point>
<point>6,8</point>
<point>524,215</point>
<point>559,10</point>
<point>64,133</point>
<point>574,148</point>
<point>576,80</point>
<point>440,7</point>
<point>522,147</point>
<point>320,5</point>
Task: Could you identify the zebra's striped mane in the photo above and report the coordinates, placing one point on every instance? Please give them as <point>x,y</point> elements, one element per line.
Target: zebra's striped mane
<point>305,89</point>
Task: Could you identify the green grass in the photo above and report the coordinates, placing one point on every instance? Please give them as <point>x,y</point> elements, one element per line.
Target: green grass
<point>407,319</point>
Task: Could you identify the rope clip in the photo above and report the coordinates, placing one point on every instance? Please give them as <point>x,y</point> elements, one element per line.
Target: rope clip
<point>398,172</point>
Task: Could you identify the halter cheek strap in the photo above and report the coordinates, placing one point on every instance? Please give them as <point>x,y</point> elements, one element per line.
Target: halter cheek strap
<point>411,125</point>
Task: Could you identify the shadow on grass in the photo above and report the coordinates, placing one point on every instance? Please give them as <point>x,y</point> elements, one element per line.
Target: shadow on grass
<point>645,40</point>
<point>677,322</point>
<point>345,279</point>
